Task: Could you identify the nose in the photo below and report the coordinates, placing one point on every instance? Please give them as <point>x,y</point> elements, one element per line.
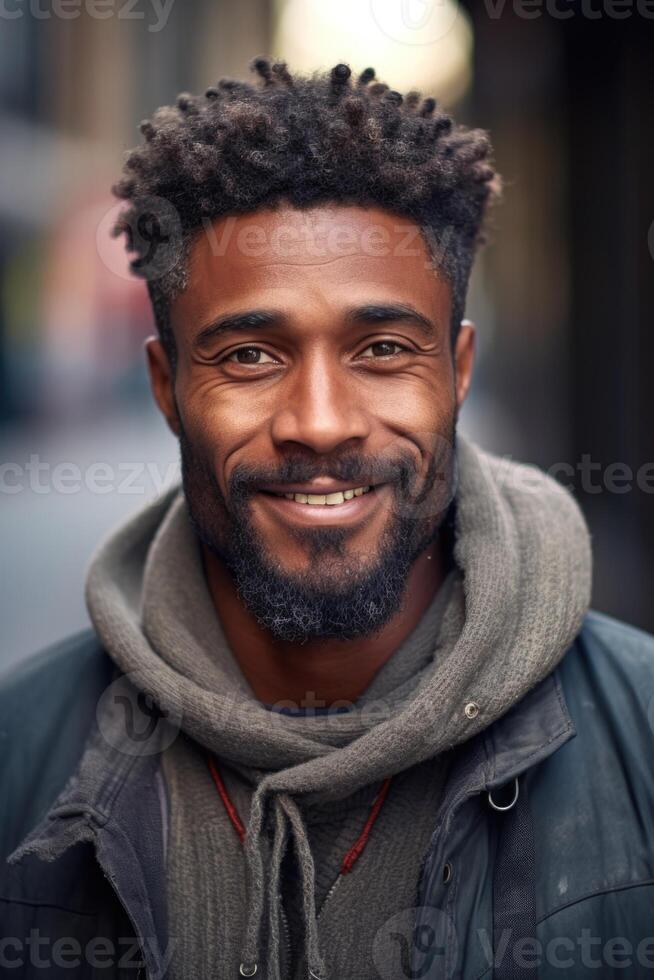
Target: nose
<point>321,410</point>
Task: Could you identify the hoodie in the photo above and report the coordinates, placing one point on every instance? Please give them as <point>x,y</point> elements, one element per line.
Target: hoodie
<point>523,554</point>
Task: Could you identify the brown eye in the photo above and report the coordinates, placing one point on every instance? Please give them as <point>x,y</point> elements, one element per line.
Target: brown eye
<point>250,355</point>
<point>382,348</point>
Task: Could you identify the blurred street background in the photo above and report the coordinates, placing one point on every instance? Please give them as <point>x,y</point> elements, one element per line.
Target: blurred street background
<point>563,297</point>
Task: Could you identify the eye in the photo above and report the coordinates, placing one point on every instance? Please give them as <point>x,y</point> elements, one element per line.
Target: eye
<point>382,348</point>
<point>250,355</point>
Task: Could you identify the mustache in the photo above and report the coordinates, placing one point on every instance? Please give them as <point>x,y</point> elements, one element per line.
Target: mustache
<point>357,468</point>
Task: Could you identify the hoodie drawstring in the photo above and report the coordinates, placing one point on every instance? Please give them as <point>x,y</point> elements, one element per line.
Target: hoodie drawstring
<point>286,814</point>
<point>305,857</point>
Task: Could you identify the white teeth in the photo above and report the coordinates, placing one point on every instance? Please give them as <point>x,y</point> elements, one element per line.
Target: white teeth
<point>328,499</point>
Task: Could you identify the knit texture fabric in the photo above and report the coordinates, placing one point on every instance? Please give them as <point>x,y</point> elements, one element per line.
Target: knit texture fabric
<point>206,866</point>
<point>206,870</point>
<point>523,548</point>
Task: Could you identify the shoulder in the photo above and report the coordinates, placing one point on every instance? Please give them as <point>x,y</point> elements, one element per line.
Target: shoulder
<point>615,636</point>
<point>611,663</point>
<point>608,682</point>
<point>592,800</point>
<point>44,687</point>
<point>47,707</point>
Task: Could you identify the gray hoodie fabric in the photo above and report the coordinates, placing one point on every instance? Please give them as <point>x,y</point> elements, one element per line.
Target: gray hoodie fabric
<point>206,866</point>
<point>523,551</point>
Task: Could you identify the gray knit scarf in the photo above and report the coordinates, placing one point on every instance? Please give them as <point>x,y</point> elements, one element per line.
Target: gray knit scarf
<point>523,548</point>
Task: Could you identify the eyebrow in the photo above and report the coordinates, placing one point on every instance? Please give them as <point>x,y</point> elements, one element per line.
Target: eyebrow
<point>248,320</point>
<point>381,313</point>
<point>369,313</point>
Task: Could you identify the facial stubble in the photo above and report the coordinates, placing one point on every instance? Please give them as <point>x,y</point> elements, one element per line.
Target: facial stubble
<point>338,596</point>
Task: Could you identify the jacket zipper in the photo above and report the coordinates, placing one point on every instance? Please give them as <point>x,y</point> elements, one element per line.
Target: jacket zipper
<point>328,896</point>
<point>141,970</point>
<point>287,934</point>
<point>286,930</point>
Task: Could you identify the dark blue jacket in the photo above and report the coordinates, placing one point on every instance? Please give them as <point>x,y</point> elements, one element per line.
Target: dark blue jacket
<point>541,862</point>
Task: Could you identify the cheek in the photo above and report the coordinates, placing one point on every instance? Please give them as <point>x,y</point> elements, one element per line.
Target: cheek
<point>220,422</point>
<point>420,409</point>
<point>424,424</point>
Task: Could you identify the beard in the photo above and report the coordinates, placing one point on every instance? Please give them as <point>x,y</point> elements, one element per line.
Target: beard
<point>339,595</point>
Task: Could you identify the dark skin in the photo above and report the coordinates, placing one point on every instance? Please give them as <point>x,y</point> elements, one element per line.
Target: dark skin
<point>350,349</point>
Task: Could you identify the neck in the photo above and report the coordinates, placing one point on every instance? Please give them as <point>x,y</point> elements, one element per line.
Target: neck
<point>317,673</point>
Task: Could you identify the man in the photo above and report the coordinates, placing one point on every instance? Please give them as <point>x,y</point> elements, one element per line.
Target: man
<point>343,711</point>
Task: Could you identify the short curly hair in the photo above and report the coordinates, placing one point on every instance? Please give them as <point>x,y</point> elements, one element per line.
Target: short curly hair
<point>304,140</point>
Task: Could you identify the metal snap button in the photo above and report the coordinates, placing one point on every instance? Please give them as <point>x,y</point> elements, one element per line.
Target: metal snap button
<point>247,969</point>
<point>471,709</point>
<point>447,873</point>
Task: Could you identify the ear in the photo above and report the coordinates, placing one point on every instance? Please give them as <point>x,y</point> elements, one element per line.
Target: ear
<point>464,356</point>
<point>162,381</point>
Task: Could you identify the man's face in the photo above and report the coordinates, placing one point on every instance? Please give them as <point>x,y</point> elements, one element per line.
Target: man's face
<point>315,397</point>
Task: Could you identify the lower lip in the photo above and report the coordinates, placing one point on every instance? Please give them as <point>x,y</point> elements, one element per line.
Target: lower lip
<point>323,515</point>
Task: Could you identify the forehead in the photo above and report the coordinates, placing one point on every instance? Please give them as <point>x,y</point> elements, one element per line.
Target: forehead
<point>333,253</point>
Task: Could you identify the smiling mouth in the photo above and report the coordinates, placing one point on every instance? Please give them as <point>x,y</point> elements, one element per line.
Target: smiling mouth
<point>323,499</point>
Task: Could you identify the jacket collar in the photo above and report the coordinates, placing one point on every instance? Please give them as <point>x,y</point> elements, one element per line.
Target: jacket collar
<point>115,801</point>
<point>534,728</point>
<point>118,755</point>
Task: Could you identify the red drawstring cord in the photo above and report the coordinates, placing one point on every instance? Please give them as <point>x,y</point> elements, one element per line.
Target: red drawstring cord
<point>355,851</point>
<point>357,848</point>
<point>232,812</point>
